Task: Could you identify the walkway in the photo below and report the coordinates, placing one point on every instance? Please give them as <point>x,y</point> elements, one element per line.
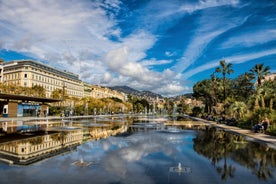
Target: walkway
<point>268,140</point>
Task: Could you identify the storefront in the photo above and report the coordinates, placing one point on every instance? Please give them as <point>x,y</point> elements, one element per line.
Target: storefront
<point>23,106</point>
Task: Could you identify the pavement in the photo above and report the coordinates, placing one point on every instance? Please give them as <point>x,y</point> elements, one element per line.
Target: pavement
<point>267,140</point>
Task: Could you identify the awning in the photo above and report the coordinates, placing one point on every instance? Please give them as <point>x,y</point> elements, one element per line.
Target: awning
<point>26,98</point>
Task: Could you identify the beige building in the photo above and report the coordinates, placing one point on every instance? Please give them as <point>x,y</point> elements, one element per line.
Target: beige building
<point>103,92</point>
<point>271,76</point>
<point>1,71</point>
<point>28,73</point>
<point>33,149</point>
<point>87,89</point>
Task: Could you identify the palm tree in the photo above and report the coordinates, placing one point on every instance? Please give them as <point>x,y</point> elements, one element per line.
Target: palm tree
<point>269,93</point>
<point>243,87</point>
<point>238,109</point>
<point>258,97</point>
<point>260,72</point>
<point>224,69</point>
<point>214,86</point>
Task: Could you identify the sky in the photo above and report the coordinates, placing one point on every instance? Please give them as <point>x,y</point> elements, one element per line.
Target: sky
<point>157,45</point>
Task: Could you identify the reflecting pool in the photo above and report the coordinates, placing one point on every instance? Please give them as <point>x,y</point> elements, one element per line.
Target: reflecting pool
<point>132,150</point>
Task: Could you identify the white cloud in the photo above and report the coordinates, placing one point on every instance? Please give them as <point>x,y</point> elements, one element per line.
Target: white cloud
<point>203,4</point>
<point>250,38</point>
<point>119,61</point>
<point>75,36</point>
<point>232,59</point>
<point>168,10</point>
<point>169,54</point>
<point>171,89</point>
<point>51,27</point>
<point>209,28</point>
<point>153,62</point>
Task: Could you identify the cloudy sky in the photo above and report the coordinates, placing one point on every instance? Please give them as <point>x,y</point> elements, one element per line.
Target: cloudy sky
<point>157,45</point>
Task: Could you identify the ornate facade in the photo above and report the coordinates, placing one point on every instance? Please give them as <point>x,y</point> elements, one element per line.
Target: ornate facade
<point>29,73</point>
<point>1,71</point>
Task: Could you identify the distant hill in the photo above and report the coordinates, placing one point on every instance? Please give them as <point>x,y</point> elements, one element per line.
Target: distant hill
<point>125,89</point>
<point>131,91</point>
<point>151,94</point>
<point>188,95</point>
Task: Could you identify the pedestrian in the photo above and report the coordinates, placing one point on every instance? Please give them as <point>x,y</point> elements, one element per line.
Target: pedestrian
<point>265,124</point>
<point>257,127</point>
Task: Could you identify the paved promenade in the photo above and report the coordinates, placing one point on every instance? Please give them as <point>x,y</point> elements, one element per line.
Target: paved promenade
<point>10,119</point>
<point>265,139</point>
<point>268,140</point>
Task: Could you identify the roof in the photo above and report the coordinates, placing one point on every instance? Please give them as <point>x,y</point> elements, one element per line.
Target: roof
<point>26,98</point>
<point>42,66</point>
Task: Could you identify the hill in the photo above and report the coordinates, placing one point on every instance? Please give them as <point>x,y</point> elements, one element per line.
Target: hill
<point>131,91</point>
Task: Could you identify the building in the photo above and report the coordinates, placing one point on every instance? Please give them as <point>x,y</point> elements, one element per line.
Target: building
<point>35,148</point>
<point>104,92</point>
<point>12,105</point>
<point>1,71</point>
<point>270,77</point>
<point>28,73</point>
<point>87,89</point>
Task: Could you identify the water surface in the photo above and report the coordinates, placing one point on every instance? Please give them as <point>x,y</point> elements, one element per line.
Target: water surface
<point>140,151</point>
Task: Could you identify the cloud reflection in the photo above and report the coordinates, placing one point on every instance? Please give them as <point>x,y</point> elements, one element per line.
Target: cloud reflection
<point>126,163</point>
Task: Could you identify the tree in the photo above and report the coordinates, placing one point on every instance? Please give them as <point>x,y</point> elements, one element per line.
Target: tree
<point>269,88</point>
<point>238,109</point>
<point>215,84</point>
<point>259,71</point>
<point>57,94</point>
<point>224,69</point>
<point>38,91</point>
<point>203,90</point>
<point>243,87</point>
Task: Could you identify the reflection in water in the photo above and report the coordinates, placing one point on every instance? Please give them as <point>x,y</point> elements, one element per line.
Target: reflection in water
<point>81,163</point>
<point>141,151</point>
<point>27,147</point>
<point>218,145</point>
<point>180,169</point>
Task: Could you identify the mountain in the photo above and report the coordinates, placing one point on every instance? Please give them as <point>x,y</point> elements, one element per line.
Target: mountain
<point>151,94</point>
<point>125,89</point>
<point>131,91</point>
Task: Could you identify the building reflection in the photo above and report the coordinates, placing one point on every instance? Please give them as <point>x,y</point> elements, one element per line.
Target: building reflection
<point>30,147</point>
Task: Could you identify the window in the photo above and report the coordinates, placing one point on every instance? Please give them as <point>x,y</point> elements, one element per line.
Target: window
<point>25,75</point>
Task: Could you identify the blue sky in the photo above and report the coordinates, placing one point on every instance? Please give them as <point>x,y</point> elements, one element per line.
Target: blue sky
<point>157,45</point>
